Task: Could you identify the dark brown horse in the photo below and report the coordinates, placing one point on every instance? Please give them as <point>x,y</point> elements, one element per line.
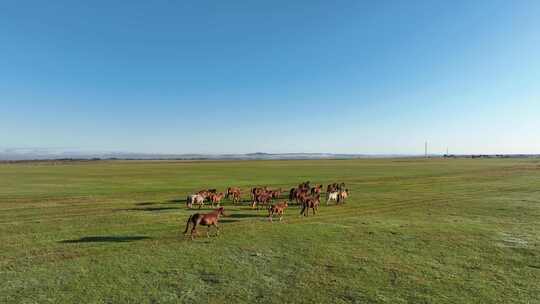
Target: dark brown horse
<point>205,219</point>
<point>312,202</point>
<point>298,194</point>
<point>316,190</point>
<point>304,186</point>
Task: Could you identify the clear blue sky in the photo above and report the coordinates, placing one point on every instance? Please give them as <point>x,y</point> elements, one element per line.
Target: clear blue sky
<point>272,76</point>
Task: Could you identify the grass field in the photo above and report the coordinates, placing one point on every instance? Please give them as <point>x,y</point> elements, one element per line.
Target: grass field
<point>413,231</point>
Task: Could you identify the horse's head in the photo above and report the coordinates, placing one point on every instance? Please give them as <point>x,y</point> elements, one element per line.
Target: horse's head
<point>220,211</point>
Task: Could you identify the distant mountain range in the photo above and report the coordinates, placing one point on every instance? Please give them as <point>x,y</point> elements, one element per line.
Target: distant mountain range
<point>45,154</point>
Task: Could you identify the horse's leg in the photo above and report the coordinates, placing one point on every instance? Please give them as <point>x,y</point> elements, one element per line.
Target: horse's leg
<point>208,232</point>
<point>193,231</point>
<point>217,229</point>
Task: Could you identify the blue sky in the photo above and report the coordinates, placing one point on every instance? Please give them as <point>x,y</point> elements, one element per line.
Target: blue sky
<point>272,76</point>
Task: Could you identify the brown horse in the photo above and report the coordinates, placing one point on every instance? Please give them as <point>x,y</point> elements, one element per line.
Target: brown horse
<point>235,192</point>
<point>278,209</point>
<point>205,219</point>
<point>298,194</point>
<point>257,191</point>
<point>292,194</point>
<point>275,193</point>
<point>261,199</point>
<point>311,202</point>
<point>343,195</point>
<point>216,198</point>
<point>316,190</point>
<point>304,186</point>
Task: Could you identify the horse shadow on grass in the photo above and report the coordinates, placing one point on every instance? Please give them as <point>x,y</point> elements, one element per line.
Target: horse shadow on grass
<point>151,209</point>
<point>228,221</point>
<point>106,239</point>
<point>245,215</point>
<point>146,203</point>
<point>167,202</point>
<point>175,201</point>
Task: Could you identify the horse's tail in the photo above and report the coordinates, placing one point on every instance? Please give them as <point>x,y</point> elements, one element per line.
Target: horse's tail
<point>187,224</point>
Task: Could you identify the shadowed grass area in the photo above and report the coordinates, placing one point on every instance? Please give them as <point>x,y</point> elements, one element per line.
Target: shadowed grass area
<point>116,239</point>
<point>413,231</point>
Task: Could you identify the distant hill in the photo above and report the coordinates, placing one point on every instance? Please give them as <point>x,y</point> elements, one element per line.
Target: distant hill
<point>50,154</point>
<point>46,154</point>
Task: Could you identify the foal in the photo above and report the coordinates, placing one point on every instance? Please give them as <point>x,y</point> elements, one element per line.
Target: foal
<point>278,209</point>
<point>205,219</point>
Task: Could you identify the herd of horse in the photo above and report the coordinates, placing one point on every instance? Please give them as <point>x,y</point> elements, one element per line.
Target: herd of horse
<point>305,196</point>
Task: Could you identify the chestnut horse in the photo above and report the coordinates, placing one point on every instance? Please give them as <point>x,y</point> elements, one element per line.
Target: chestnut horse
<point>278,209</point>
<point>257,191</point>
<point>275,193</point>
<point>235,192</point>
<point>205,219</point>
<point>216,198</point>
<point>261,199</point>
<point>343,195</point>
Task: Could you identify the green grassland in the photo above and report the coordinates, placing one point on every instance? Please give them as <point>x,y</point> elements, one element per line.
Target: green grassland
<point>413,231</point>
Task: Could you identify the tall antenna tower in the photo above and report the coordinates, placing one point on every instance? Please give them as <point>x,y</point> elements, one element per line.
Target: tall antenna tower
<point>425,149</point>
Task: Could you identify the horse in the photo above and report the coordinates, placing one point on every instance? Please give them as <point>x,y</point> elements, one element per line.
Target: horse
<point>208,219</point>
<point>216,198</point>
<point>304,186</point>
<point>343,194</point>
<point>261,199</point>
<point>195,199</point>
<point>275,193</point>
<point>292,194</point>
<point>256,191</point>
<point>316,190</point>
<point>235,192</point>
<point>333,188</point>
<point>204,193</point>
<point>312,202</point>
<point>332,196</point>
<point>278,209</point>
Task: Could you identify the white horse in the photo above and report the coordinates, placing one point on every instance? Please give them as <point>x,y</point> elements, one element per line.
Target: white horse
<point>333,196</point>
<point>339,196</point>
<point>195,199</point>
